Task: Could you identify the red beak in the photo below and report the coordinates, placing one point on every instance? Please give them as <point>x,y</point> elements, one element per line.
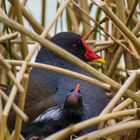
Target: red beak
<point>90,55</point>
<point>77,88</point>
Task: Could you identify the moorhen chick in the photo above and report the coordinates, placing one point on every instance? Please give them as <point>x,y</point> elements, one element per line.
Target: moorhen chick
<point>57,118</point>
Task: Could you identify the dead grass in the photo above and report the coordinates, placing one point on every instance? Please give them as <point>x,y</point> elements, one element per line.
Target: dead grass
<point>113,31</point>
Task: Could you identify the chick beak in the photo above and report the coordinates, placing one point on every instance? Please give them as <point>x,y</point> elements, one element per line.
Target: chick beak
<point>77,88</point>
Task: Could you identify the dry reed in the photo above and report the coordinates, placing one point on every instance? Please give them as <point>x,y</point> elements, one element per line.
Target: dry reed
<point>113,32</point>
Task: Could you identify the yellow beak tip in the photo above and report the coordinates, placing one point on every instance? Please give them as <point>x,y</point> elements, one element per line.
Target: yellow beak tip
<point>100,60</point>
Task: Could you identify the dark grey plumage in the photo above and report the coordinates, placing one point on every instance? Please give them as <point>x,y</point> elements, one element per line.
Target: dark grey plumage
<point>44,84</point>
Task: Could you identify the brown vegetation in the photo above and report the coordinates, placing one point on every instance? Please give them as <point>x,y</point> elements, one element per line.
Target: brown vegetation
<point>117,25</point>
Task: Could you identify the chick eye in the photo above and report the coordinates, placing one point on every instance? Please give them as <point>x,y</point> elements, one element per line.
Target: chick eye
<point>72,90</point>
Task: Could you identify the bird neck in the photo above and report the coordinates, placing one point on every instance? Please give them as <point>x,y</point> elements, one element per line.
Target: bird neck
<point>73,113</point>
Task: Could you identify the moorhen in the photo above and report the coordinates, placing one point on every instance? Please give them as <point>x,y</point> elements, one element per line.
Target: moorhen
<point>57,118</point>
<point>47,89</point>
<point>44,84</point>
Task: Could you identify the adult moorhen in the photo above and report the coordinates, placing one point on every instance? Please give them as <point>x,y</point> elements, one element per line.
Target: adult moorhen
<point>47,89</point>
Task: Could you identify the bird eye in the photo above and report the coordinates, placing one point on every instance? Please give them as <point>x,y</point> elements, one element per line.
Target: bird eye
<point>72,90</point>
<point>74,45</point>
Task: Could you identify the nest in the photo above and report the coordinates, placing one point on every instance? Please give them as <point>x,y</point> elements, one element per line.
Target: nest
<point>114,24</point>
